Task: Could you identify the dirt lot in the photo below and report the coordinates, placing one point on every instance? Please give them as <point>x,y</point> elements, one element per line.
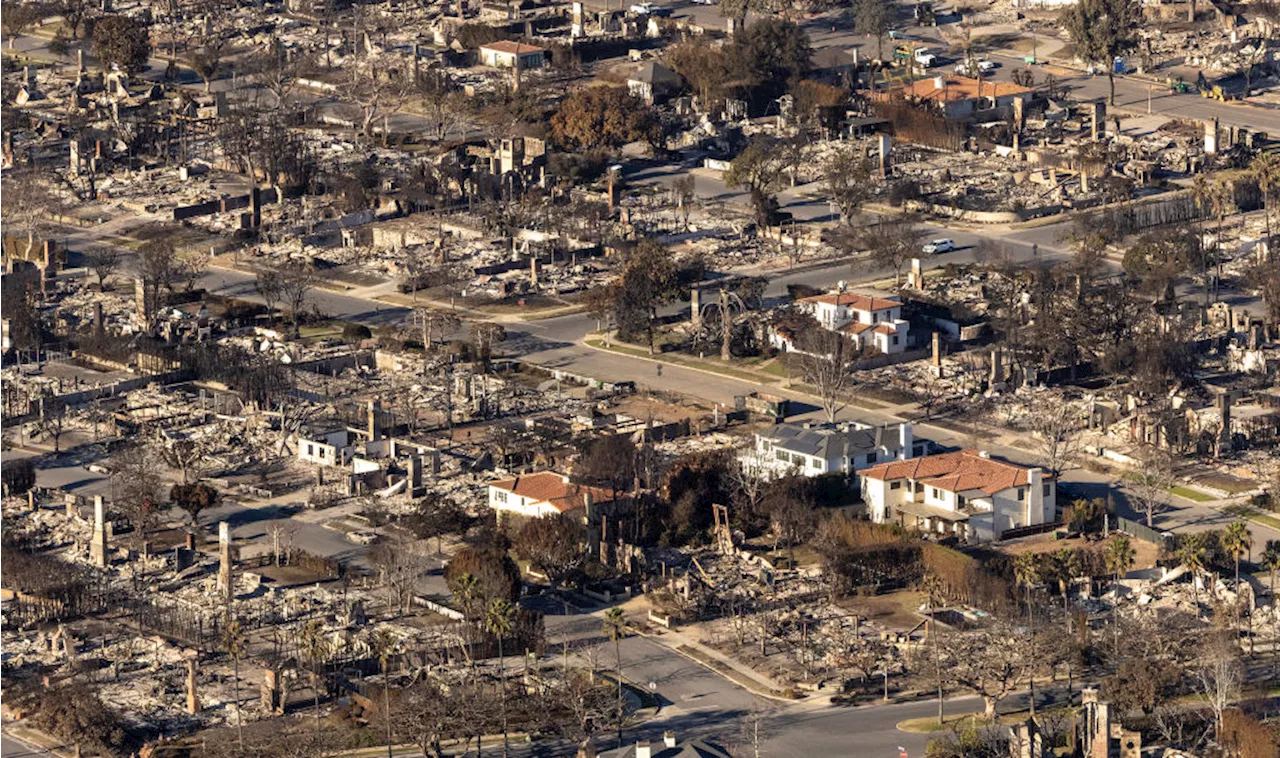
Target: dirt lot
<point>895,610</point>
<point>1045,543</point>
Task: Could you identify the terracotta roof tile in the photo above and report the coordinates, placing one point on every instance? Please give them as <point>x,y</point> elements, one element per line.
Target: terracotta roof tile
<point>854,300</point>
<point>553,489</point>
<point>962,471</point>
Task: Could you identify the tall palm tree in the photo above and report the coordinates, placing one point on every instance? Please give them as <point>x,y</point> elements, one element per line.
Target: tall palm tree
<point>1066,567</point>
<point>1026,571</point>
<point>1265,170</point>
<point>1202,192</point>
<point>384,644</point>
<point>1191,553</point>
<point>1120,555</point>
<point>1223,202</point>
<point>316,649</point>
<point>234,644</point>
<point>1271,562</point>
<point>615,628</point>
<point>1236,540</point>
<point>499,618</point>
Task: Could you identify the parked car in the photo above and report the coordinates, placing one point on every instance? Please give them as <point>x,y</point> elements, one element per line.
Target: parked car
<point>704,2</point>
<point>940,245</point>
<point>980,66</point>
<point>643,9</point>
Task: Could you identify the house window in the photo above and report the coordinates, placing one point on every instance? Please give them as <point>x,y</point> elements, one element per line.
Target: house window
<point>815,463</point>
<point>1022,494</point>
<point>959,501</point>
<point>895,485</point>
<point>1046,489</point>
<point>500,496</point>
<point>871,457</point>
<point>895,339</point>
<point>875,317</point>
<point>311,449</point>
<point>782,456</point>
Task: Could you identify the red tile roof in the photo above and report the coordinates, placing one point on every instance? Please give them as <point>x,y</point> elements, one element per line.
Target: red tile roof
<point>553,489</point>
<point>855,327</point>
<point>956,472</point>
<point>854,301</point>
<point>507,46</point>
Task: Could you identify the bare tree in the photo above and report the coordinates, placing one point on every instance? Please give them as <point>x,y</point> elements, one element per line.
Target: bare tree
<point>891,243</point>
<point>296,280</point>
<point>1056,425</point>
<point>136,484</point>
<point>992,662</point>
<point>104,261</point>
<point>1149,485</point>
<point>432,323</point>
<point>1219,675</point>
<point>828,361</point>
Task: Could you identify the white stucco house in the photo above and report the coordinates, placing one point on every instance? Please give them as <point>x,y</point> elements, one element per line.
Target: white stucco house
<point>966,493</point>
<point>508,54</point>
<point>816,449</point>
<point>867,321</point>
<point>545,493</point>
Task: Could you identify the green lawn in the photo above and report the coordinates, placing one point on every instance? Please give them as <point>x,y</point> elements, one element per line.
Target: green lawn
<point>1244,511</point>
<point>1190,494</point>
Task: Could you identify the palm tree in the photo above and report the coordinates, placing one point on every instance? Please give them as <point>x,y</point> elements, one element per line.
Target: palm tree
<point>466,593</point>
<point>384,644</point>
<point>234,645</point>
<point>1202,193</point>
<point>1236,540</point>
<point>1191,552</point>
<point>1026,571</point>
<point>1066,567</point>
<point>316,649</point>
<point>1120,555</point>
<point>1265,169</point>
<point>615,628</point>
<point>1223,202</point>
<point>498,620</point>
<point>1271,562</point>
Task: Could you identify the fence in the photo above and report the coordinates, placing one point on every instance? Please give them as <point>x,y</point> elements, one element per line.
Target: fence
<point>1141,531</point>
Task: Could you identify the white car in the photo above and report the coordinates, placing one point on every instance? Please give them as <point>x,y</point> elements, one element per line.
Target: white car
<point>704,2</point>
<point>981,67</point>
<point>643,9</point>
<point>941,245</point>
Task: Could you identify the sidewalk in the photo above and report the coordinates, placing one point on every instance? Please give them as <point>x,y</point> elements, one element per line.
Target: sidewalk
<point>740,674</point>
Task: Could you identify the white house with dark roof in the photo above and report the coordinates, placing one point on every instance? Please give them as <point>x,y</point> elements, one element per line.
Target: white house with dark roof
<point>653,82</point>
<point>966,493</point>
<point>845,448</point>
<point>868,321</point>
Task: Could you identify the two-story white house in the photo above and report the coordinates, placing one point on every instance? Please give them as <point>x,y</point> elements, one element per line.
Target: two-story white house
<point>816,449</point>
<point>868,321</point>
<point>966,493</point>
<point>545,493</point>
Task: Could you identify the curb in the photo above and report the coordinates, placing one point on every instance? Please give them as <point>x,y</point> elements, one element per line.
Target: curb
<point>754,690</point>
